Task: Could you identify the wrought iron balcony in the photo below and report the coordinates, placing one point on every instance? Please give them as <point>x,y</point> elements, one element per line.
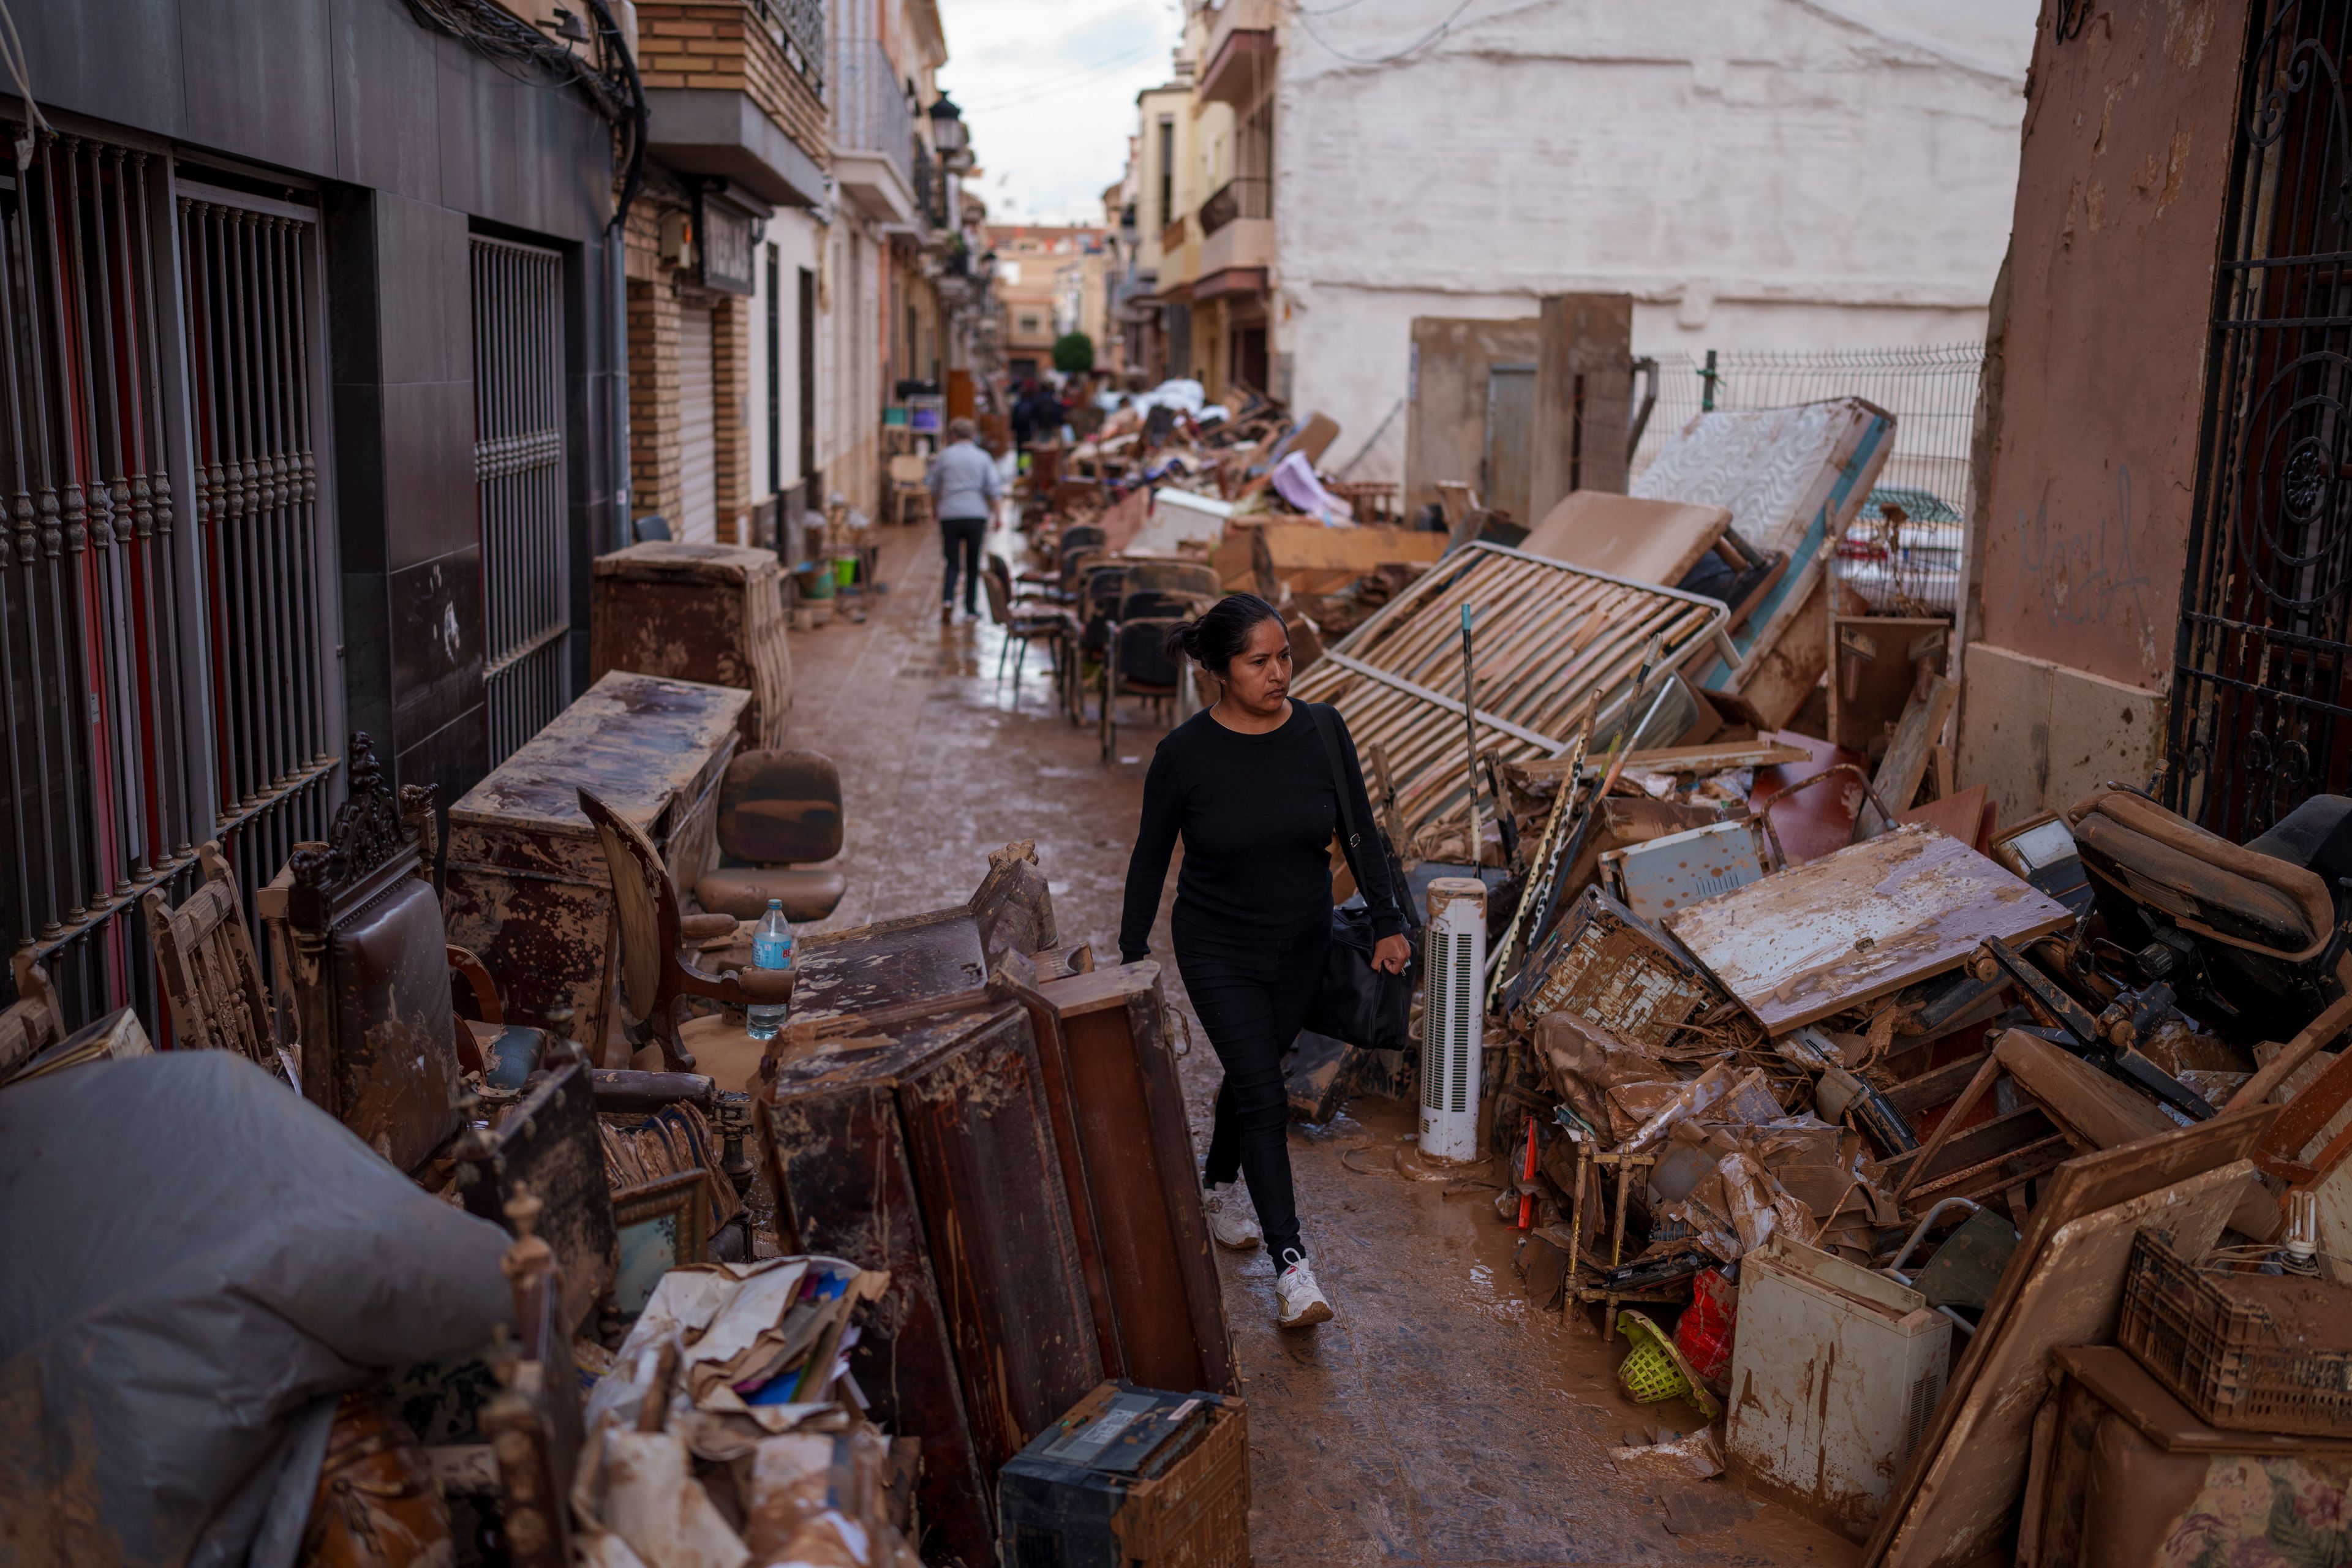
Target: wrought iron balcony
<point>798,28</point>
<point>1245,195</point>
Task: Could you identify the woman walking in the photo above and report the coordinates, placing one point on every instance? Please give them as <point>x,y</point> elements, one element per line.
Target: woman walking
<point>964,488</point>
<point>1246,783</point>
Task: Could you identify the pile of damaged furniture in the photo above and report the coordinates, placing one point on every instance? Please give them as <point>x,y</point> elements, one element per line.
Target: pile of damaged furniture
<point>1987,1186</point>
<point>498,1271</point>
<point>1168,504</point>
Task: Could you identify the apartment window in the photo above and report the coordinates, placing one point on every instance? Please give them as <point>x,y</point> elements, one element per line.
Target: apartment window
<point>164,642</point>
<point>1167,170</point>
<point>1029,323</point>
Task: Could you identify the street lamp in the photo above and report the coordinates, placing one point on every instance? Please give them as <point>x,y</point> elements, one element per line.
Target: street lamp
<point>948,130</point>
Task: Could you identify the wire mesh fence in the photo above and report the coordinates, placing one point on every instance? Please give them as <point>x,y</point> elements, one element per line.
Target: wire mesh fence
<point>1930,390</point>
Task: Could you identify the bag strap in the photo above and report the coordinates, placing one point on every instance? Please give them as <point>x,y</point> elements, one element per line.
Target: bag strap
<point>1351,841</point>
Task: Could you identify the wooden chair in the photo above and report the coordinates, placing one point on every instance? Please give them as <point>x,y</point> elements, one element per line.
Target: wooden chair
<point>34,1022</point>
<point>910,498</point>
<point>1054,625</point>
<point>381,1044</point>
<point>655,974</point>
<point>1135,659</point>
<point>210,974</point>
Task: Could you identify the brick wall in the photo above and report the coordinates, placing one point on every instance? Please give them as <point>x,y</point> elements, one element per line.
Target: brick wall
<point>730,379</point>
<point>718,45</point>
<point>653,396</point>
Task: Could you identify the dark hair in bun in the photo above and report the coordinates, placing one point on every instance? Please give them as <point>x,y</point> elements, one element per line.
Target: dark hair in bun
<point>1222,631</point>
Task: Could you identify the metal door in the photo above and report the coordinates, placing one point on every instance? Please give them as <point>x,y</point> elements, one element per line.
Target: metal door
<point>165,642</point>
<point>698,430</point>
<point>1510,435</point>
<point>518,293</point>
<point>2263,662</point>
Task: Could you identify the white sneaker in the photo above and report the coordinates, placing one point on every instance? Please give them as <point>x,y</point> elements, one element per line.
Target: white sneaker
<point>1298,1302</point>
<point>1231,1222</point>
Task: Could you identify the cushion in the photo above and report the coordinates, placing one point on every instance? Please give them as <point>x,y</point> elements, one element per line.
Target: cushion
<point>743,891</point>
<point>2200,879</point>
<point>780,807</point>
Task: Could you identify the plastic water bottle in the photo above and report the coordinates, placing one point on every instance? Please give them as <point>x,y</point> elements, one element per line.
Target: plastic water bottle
<point>772,948</point>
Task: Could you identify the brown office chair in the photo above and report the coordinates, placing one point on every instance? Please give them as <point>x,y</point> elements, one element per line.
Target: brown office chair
<point>655,974</point>
<point>779,812</point>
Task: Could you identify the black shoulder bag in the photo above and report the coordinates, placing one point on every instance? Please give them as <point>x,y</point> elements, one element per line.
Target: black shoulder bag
<point>1358,1004</point>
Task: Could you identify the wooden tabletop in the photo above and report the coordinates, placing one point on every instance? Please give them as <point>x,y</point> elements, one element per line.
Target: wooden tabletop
<point>639,740</point>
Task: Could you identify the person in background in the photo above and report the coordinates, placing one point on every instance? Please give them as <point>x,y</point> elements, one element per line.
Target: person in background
<point>1024,409</point>
<point>964,488</point>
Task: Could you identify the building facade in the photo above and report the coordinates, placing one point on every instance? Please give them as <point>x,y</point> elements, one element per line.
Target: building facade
<point>1756,174</point>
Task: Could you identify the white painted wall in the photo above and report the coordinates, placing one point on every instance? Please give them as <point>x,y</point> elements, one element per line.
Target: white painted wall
<point>797,237</point>
<point>1757,173</point>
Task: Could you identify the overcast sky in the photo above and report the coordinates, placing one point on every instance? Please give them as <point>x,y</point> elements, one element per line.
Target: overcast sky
<point>1048,87</point>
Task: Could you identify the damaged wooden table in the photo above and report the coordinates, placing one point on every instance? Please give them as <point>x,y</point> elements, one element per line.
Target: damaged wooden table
<point>527,886</point>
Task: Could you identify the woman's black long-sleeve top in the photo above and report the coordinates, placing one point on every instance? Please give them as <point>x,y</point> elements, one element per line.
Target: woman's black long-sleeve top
<point>1256,814</point>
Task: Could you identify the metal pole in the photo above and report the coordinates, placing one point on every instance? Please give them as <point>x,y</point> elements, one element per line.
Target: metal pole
<point>1470,727</point>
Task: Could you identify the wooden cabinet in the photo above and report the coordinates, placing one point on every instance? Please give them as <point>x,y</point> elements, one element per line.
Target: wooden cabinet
<point>709,613</point>
<point>527,887</point>
<point>926,1147</point>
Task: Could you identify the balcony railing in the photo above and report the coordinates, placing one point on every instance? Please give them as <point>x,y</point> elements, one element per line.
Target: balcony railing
<point>1244,195</point>
<point>869,106</point>
<point>798,28</point>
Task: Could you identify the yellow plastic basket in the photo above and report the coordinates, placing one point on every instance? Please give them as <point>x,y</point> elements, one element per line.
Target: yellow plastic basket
<point>1650,1373</point>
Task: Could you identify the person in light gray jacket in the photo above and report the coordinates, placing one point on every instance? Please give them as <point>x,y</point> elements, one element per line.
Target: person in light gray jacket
<point>964,488</point>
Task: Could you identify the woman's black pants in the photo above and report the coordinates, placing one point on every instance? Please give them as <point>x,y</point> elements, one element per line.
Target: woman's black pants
<point>964,533</point>
<point>1252,996</point>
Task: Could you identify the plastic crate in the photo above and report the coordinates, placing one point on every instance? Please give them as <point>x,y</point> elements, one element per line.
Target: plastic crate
<point>1131,1478</point>
<point>2225,1356</point>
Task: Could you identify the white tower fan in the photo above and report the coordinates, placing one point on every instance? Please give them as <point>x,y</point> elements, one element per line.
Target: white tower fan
<point>1453,1017</point>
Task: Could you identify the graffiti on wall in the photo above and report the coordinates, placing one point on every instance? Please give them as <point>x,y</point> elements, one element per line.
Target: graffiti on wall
<point>2081,574</point>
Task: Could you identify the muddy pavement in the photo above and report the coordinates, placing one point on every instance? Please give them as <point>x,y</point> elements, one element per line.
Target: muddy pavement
<point>1440,1420</point>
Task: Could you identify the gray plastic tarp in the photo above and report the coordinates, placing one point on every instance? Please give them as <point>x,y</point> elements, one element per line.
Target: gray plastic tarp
<point>194,1262</point>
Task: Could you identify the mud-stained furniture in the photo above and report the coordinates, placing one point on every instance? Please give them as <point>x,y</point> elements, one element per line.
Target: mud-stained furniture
<point>925,1146</point>
<point>551,1148</point>
<point>33,1022</point>
<point>210,975</point>
<point>379,1039</point>
<point>1109,1061</point>
<point>655,975</point>
<point>778,817</point>
<point>916,962</point>
<point>711,612</point>
<point>527,886</point>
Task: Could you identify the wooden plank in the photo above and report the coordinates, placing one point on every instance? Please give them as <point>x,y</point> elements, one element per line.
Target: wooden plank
<point>1852,926</point>
<point>2319,1033</point>
<point>1936,1086</point>
<point>1714,759</point>
<point>2068,1294</point>
<point>1905,763</point>
<point>1647,541</point>
<point>2078,1096</point>
<point>1289,547</point>
<point>1961,814</point>
<point>2083,1185</point>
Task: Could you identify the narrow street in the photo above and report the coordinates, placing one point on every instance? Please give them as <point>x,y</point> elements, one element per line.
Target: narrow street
<point>1440,1420</point>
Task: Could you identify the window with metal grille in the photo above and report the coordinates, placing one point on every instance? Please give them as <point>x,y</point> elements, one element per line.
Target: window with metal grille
<point>2261,685</point>
<point>519,477</point>
<point>163,644</point>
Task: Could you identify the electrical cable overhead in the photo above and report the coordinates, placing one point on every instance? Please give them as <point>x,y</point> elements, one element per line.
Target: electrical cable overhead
<point>1432,35</point>
<point>1055,86</point>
